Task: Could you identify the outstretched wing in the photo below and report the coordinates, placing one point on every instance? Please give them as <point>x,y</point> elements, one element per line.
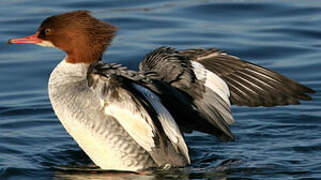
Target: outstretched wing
<point>209,94</point>
<point>250,84</point>
<point>215,80</point>
<point>139,111</point>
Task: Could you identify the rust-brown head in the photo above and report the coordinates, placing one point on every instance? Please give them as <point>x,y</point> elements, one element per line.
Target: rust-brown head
<point>83,37</point>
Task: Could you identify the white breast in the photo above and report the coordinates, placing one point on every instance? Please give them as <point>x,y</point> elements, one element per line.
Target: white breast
<point>81,113</point>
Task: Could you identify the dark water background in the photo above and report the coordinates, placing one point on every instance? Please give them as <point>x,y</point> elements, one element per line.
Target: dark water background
<point>271,143</point>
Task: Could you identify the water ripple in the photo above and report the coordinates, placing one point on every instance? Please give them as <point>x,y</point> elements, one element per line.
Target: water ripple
<point>271,143</point>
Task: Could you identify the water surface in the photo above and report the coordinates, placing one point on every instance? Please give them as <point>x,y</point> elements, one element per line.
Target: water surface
<point>271,143</point>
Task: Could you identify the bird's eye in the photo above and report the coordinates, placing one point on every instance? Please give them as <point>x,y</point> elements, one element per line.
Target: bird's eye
<point>47,31</point>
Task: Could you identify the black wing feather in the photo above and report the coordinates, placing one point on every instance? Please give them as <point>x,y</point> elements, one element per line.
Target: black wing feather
<point>205,111</point>
<point>266,87</point>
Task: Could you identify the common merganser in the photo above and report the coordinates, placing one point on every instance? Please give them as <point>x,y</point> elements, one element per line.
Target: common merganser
<point>131,121</point>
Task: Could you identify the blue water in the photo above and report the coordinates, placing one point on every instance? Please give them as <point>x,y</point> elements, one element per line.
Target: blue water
<point>271,143</point>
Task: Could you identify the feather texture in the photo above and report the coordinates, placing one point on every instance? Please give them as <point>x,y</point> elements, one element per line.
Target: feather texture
<point>140,112</point>
<point>250,84</point>
<point>208,94</point>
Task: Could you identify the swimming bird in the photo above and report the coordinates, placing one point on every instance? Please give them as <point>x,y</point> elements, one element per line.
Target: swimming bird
<point>131,121</point>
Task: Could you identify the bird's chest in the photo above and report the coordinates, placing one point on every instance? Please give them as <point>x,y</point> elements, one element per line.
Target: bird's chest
<point>100,136</point>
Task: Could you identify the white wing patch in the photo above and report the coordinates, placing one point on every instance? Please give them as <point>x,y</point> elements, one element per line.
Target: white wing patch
<point>212,81</point>
<point>134,121</point>
<point>167,121</point>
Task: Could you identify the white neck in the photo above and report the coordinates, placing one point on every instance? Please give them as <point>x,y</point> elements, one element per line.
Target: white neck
<point>67,72</point>
<point>77,69</point>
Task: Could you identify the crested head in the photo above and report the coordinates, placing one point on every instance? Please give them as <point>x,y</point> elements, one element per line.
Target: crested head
<point>83,37</point>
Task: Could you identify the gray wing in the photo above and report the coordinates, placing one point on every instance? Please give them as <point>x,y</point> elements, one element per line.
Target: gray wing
<point>250,84</point>
<point>209,94</point>
<point>214,80</point>
<point>139,111</point>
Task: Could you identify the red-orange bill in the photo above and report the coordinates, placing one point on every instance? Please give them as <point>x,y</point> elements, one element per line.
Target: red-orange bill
<point>33,39</point>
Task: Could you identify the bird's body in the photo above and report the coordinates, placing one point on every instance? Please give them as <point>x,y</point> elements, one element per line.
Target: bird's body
<point>130,121</point>
<point>82,114</point>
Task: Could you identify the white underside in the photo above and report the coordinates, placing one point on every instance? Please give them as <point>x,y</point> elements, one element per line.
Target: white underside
<point>94,143</point>
<point>134,124</point>
<point>97,149</point>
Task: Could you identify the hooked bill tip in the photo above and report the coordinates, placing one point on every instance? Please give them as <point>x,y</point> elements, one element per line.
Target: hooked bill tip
<point>9,41</point>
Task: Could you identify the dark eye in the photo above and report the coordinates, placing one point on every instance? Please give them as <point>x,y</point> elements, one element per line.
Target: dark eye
<point>47,31</point>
